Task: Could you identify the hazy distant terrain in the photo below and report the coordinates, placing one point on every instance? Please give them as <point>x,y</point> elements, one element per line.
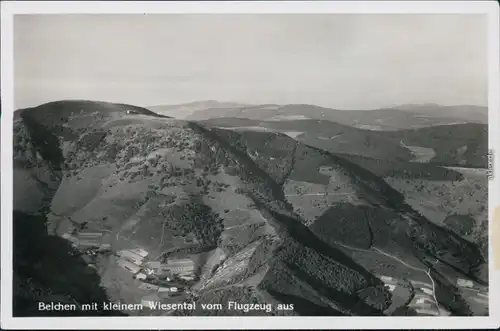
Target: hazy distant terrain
<point>183,111</point>
<point>404,117</point>
<point>267,218</point>
<point>468,113</point>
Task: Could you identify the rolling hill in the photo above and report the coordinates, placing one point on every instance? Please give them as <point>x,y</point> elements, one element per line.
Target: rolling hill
<point>267,218</point>
<point>464,145</point>
<point>437,187</point>
<point>384,119</point>
<point>467,113</point>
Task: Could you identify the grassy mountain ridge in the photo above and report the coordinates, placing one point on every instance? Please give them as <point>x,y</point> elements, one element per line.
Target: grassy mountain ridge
<point>82,158</point>
<point>157,182</point>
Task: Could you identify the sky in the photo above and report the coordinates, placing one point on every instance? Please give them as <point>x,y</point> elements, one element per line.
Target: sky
<point>342,61</point>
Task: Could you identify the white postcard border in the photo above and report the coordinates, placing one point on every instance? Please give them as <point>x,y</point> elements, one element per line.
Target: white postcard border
<point>10,8</point>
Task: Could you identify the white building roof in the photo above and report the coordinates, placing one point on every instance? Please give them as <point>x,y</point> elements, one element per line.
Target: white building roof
<point>423,300</point>
<point>426,290</point>
<point>90,234</point>
<point>390,287</point>
<point>139,251</point>
<point>154,264</point>
<point>130,255</point>
<point>163,289</point>
<point>180,261</point>
<point>129,266</point>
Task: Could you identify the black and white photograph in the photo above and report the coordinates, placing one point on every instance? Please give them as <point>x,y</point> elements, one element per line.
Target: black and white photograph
<point>249,164</point>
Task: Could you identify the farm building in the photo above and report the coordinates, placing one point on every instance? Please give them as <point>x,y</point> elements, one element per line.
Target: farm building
<point>141,276</point>
<point>130,256</point>
<point>387,279</point>
<point>153,265</point>
<point>162,289</point>
<point>465,283</point>
<point>189,278</point>
<point>424,300</point>
<point>179,269</point>
<point>427,290</point>
<point>484,295</point>
<point>139,251</point>
<point>129,266</point>
<point>90,234</point>
<point>180,266</point>
<point>180,261</point>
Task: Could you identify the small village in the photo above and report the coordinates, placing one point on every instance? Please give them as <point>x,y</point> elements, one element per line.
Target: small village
<point>170,279</point>
<point>164,280</point>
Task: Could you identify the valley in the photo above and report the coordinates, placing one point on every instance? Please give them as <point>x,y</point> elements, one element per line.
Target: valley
<point>294,211</point>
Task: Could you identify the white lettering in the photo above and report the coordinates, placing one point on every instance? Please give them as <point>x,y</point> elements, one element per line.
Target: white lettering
<point>55,306</point>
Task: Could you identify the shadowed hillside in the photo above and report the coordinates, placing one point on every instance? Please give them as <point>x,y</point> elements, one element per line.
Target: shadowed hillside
<point>48,269</point>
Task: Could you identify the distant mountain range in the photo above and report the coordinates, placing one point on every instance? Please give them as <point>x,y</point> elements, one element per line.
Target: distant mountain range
<point>400,117</point>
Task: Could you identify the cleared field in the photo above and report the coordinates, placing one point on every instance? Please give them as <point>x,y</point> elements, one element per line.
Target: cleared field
<point>422,154</point>
<point>293,134</point>
<point>400,297</point>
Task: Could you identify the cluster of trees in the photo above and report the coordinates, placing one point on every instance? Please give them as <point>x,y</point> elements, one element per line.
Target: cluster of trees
<point>197,218</point>
<point>480,237</point>
<point>460,224</point>
<point>91,140</point>
<point>376,296</point>
<point>344,223</point>
<point>433,240</point>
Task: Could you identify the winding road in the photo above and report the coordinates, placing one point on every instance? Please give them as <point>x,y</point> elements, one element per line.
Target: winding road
<point>427,272</point>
